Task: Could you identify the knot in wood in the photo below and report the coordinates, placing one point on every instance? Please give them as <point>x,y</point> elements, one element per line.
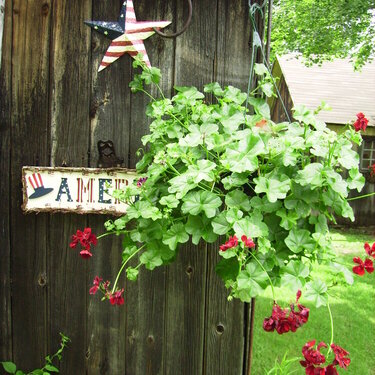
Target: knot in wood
<point>45,9</point>
<point>189,270</point>
<point>220,329</point>
<point>150,339</point>
<point>42,279</point>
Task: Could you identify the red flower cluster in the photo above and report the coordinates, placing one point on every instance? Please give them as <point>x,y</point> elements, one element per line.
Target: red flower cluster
<point>233,242</point>
<point>115,298</point>
<point>282,322</point>
<point>313,359</point>
<point>248,242</point>
<point>372,170</point>
<point>86,239</point>
<point>366,265</point>
<point>361,122</point>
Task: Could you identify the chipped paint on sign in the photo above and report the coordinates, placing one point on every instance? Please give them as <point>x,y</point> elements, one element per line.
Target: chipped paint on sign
<point>79,190</point>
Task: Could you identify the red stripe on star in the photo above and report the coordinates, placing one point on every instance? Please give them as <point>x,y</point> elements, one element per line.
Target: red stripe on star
<point>114,54</point>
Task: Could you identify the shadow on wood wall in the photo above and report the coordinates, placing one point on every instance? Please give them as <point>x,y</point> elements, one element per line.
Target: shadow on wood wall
<point>54,109</point>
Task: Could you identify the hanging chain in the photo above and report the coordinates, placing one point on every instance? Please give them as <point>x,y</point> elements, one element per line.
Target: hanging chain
<point>257,43</point>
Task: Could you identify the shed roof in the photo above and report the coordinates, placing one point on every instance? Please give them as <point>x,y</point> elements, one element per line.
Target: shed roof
<point>345,90</point>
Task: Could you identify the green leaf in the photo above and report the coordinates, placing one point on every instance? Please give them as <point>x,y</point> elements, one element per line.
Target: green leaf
<point>181,185</point>
<point>170,201</point>
<point>132,273</point>
<point>232,123</point>
<point>311,174</point>
<point>215,88</point>
<point>128,251</point>
<point>187,95</point>
<point>151,259</point>
<point>200,227</point>
<point>220,225</point>
<point>299,240</point>
<point>316,291</point>
<point>242,156</point>
<point>303,114</point>
<point>233,215</point>
<point>230,253</point>
<point>238,199</point>
<point>356,180</point>
<point>235,180</point>
<point>250,282</point>
<point>260,69</point>
<point>261,107</point>
<point>264,205</point>
<point>9,367</point>
<point>202,171</point>
<point>19,372</point>
<point>341,269</point>
<point>294,274</point>
<point>143,209</point>
<point>251,226</point>
<point>176,234</point>
<point>151,75</point>
<point>288,218</point>
<point>201,201</point>
<point>228,269</point>
<point>51,368</point>
<point>275,185</point>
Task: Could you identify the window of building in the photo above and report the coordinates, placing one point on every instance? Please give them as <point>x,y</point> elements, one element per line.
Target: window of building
<point>367,153</point>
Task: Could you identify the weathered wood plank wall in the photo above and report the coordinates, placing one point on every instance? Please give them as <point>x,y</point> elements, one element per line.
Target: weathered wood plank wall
<point>54,109</point>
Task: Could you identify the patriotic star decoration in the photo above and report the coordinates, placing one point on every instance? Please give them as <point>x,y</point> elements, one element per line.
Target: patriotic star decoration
<point>127,34</point>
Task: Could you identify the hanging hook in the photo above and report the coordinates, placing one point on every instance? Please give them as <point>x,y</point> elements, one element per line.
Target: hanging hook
<point>183,29</point>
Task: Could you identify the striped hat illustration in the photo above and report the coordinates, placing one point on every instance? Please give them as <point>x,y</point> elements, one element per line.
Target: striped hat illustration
<point>37,184</point>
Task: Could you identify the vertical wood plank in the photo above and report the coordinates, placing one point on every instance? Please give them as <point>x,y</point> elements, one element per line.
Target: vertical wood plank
<point>146,297</point>
<point>70,101</point>
<point>186,278</point>
<point>110,120</point>
<point>5,110</point>
<point>224,331</point>
<point>29,134</point>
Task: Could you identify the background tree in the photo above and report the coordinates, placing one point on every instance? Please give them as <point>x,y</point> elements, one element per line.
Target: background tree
<point>322,30</point>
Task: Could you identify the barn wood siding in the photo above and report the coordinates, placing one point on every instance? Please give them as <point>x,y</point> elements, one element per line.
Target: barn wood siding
<point>54,109</point>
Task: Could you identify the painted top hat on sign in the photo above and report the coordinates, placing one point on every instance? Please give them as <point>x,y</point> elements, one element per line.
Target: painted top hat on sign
<point>37,184</point>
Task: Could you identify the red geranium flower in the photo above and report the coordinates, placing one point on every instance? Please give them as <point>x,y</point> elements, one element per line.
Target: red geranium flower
<point>248,242</point>
<point>232,242</point>
<point>86,239</point>
<point>96,284</point>
<point>361,122</point>
<point>282,322</point>
<point>370,250</point>
<point>117,298</point>
<point>340,356</point>
<point>312,355</point>
<point>85,254</point>
<point>372,169</point>
<point>366,265</point>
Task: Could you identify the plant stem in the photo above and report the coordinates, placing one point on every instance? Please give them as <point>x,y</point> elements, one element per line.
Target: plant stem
<point>273,290</point>
<point>109,233</point>
<point>123,266</point>
<point>331,319</point>
<point>361,196</point>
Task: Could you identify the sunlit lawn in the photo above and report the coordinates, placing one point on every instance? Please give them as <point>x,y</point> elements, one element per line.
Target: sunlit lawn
<point>353,309</point>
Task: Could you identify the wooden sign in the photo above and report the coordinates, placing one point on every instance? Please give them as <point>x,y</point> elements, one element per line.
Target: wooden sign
<point>79,190</point>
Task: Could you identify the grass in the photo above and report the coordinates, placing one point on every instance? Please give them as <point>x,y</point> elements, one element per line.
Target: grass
<point>353,310</point>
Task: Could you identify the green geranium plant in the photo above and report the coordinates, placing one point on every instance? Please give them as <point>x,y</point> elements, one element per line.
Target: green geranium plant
<point>214,164</point>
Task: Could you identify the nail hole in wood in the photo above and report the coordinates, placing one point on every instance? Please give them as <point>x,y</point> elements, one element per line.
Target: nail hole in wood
<point>220,329</point>
<point>88,354</point>
<point>150,339</point>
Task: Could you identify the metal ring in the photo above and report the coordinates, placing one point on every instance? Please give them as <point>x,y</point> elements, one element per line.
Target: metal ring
<point>183,29</point>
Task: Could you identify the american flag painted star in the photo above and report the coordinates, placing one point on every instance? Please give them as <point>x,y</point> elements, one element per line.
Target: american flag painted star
<point>127,34</point>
